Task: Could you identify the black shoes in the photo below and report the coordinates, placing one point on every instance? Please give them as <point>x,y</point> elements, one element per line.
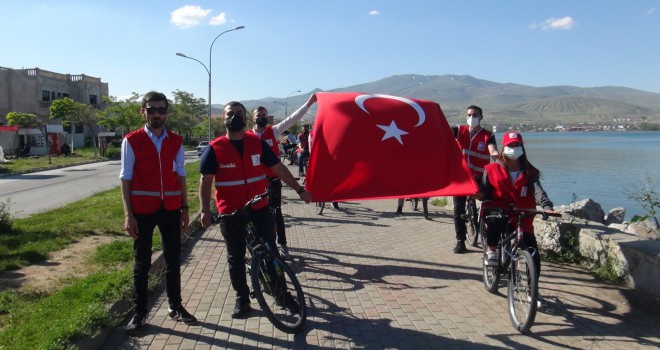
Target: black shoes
<point>460,247</point>
<point>335,205</point>
<point>399,210</point>
<point>180,314</point>
<point>242,308</point>
<point>137,323</point>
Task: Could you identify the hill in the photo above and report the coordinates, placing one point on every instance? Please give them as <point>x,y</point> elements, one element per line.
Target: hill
<point>503,102</point>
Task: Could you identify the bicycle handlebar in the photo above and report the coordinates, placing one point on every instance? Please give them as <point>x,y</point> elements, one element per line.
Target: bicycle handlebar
<point>217,218</point>
<point>503,212</point>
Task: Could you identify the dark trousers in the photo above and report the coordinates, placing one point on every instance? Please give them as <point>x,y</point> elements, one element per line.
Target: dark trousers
<point>169,225</point>
<point>459,220</point>
<point>493,229</point>
<point>275,201</point>
<point>233,231</point>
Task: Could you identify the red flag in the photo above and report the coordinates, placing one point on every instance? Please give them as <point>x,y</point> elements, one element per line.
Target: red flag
<point>367,146</point>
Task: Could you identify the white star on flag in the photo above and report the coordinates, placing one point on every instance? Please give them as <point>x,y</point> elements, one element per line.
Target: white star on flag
<point>392,131</point>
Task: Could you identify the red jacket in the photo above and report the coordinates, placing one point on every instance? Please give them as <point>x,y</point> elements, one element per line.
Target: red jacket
<point>238,179</point>
<point>506,193</point>
<point>154,175</point>
<point>475,149</point>
<point>269,136</point>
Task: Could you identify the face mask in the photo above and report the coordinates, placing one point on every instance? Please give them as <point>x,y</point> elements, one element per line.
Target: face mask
<point>472,121</point>
<point>262,121</point>
<point>513,152</point>
<point>235,123</point>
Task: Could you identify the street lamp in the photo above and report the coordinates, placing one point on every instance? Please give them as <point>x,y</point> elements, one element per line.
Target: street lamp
<point>208,70</point>
<point>286,104</point>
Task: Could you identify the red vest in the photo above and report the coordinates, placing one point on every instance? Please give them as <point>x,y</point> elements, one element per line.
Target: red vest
<point>238,179</point>
<point>269,136</point>
<point>506,193</point>
<point>475,149</point>
<point>154,175</point>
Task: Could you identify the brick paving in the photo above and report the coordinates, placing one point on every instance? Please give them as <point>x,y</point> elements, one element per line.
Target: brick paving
<point>377,281</point>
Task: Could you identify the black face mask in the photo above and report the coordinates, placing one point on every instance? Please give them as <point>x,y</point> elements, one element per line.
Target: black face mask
<point>235,123</point>
<point>262,121</point>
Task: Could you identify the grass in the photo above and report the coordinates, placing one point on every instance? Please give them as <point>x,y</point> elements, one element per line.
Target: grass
<point>78,308</point>
<point>21,165</point>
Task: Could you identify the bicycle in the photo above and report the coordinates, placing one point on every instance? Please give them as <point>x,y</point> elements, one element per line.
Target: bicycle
<point>515,261</point>
<point>471,218</point>
<point>272,278</point>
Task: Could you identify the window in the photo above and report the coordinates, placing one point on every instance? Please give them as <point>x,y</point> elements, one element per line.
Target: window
<point>45,95</point>
<point>93,100</point>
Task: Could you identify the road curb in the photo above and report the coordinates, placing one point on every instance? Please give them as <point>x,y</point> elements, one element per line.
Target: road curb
<point>124,306</point>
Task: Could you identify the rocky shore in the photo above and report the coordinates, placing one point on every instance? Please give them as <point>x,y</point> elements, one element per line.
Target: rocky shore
<point>630,251</point>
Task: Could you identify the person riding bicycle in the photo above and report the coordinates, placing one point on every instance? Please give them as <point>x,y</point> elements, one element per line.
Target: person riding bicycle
<point>270,134</point>
<point>236,164</point>
<point>289,144</point>
<point>512,181</point>
<point>478,147</point>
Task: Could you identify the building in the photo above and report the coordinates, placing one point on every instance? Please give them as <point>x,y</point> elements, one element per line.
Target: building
<point>33,90</point>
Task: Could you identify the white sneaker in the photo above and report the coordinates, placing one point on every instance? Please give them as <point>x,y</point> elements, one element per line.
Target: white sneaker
<point>491,259</point>
<point>541,303</point>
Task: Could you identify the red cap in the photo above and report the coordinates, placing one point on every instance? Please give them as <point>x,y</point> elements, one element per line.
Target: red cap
<point>511,137</point>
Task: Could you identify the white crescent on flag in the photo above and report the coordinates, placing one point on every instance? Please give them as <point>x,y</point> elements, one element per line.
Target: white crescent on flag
<point>360,99</point>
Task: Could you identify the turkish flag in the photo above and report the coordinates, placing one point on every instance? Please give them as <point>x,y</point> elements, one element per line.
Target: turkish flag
<point>368,146</point>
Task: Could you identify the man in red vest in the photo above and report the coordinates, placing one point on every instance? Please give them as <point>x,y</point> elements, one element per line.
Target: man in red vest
<point>271,134</point>
<point>236,163</point>
<point>479,147</point>
<point>153,188</point>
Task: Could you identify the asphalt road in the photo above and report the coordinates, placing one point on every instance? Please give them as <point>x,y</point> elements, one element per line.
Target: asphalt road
<point>41,191</point>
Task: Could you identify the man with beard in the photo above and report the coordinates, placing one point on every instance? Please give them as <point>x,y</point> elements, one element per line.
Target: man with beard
<point>153,188</point>
<point>235,164</point>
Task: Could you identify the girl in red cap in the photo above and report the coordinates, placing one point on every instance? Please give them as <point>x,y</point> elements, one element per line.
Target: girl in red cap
<point>512,181</point>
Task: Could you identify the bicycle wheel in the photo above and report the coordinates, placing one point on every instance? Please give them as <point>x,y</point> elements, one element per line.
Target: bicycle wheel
<point>473,224</point>
<point>523,291</point>
<point>319,207</point>
<point>491,274</point>
<point>281,298</point>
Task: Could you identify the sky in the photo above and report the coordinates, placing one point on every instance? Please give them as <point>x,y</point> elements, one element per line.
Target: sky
<point>302,45</point>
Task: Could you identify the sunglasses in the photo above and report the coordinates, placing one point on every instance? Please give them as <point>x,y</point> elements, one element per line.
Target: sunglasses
<point>238,114</point>
<point>153,110</point>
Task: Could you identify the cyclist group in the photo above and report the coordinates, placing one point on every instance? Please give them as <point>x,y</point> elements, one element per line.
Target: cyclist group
<point>241,164</point>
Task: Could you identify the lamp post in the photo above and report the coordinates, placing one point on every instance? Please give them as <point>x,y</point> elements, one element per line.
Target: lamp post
<point>208,70</point>
<point>286,104</point>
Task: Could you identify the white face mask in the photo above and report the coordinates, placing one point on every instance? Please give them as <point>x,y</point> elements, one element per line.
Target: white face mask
<point>472,122</point>
<point>513,152</point>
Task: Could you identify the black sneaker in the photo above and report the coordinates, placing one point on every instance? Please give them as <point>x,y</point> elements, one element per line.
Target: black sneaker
<point>180,314</point>
<point>137,323</point>
<point>288,302</point>
<point>460,247</point>
<point>335,205</point>
<point>242,308</point>
<point>399,210</point>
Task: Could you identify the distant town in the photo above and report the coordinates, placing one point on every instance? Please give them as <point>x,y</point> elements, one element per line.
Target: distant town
<point>621,124</point>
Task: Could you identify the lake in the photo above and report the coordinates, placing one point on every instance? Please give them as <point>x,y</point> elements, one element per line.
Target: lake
<point>603,166</point>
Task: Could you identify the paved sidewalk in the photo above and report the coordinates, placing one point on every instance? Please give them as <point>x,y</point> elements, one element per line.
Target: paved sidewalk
<point>377,281</point>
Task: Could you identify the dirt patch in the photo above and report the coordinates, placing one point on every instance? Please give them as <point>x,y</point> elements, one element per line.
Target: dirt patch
<point>62,264</point>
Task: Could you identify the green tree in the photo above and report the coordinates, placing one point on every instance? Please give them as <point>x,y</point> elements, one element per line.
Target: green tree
<point>72,112</point>
<point>29,120</point>
<point>186,114</point>
<point>122,114</point>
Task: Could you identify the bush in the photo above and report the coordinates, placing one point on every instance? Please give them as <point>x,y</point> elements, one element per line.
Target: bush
<point>5,217</point>
<point>113,153</point>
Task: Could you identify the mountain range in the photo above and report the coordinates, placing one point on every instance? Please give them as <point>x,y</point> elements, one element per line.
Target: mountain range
<point>501,102</point>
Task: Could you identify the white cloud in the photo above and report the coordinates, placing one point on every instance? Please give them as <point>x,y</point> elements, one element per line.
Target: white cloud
<point>651,10</point>
<point>189,16</point>
<point>218,20</point>
<point>565,23</point>
<point>374,12</point>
